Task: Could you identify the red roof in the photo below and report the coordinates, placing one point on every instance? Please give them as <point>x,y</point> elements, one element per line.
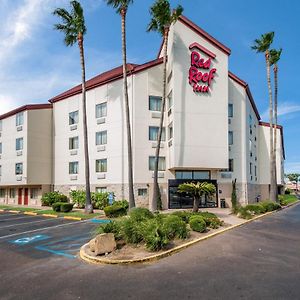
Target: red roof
<point>24,108</point>
<point>106,77</point>
<point>246,86</point>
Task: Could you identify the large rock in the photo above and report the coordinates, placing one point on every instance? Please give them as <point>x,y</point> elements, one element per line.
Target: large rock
<point>103,243</point>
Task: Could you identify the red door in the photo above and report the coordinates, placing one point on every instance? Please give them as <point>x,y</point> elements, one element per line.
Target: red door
<point>26,197</point>
<point>19,196</point>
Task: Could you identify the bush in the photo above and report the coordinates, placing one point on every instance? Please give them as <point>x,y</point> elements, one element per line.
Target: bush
<point>100,200</point>
<point>123,203</point>
<point>244,213</point>
<point>173,227</point>
<point>183,215</point>
<point>53,197</point>
<point>117,209</point>
<point>197,223</point>
<point>270,206</point>
<point>256,208</point>
<point>56,206</point>
<point>140,214</point>
<point>78,198</point>
<point>210,219</point>
<point>66,207</point>
<point>111,227</point>
<point>131,231</point>
<point>287,191</point>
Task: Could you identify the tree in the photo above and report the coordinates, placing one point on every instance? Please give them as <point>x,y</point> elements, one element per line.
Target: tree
<point>294,177</point>
<point>74,29</point>
<point>274,58</point>
<point>162,17</point>
<point>262,46</point>
<point>234,196</point>
<point>197,190</point>
<point>122,6</point>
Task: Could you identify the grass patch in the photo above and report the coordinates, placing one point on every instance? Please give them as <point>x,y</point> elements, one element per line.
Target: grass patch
<point>6,207</point>
<point>287,199</point>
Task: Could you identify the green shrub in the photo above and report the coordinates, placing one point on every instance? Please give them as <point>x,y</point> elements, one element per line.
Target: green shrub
<point>53,197</point>
<point>197,223</point>
<point>131,231</point>
<point>111,227</point>
<point>244,213</point>
<point>100,200</point>
<point>118,209</point>
<point>270,206</point>
<point>210,219</point>
<point>56,206</point>
<point>256,208</point>
<point>66,207</point>
<point>140,214</point>
<point>173,227</point>
<point>287,199</point>
<point>153,234</point>
<point>287,191</point>
<point>78,198</point>
<point>183,215</point>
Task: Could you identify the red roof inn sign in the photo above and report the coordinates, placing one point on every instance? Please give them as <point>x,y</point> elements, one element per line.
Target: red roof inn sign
<point>201,74</point>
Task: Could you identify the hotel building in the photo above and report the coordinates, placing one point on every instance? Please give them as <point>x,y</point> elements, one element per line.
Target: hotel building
<point>212,131</point>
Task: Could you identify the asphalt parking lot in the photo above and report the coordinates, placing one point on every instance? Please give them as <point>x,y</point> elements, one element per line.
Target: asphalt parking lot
<point>38,237</point>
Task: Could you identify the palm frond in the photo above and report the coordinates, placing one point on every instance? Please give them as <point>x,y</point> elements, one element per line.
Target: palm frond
<point>264,43</point>
<point>119,4</point>
<point>275,56</point>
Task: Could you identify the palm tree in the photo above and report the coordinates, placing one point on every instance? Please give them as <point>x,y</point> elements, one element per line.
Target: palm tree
<point>162,17</point>
<point>122,6</point>
<point>197,190</point>
<point>262,46</point>
<point>274,58</point>
<point>74,29</point>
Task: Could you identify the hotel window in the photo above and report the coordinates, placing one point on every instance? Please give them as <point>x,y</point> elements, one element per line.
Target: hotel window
<point>19,144</point>
<point>0,148</point>
<point>161,163</point>
<point>101,190</point>
<point>250,166</point>
<point>12,193</point>
<point>170,131</point>
<point>142,192</point>
<point>101,165</point>
<point>34,193</point>
<point>192,175</point>
<point>170,77</point>
<point>170,100</point>
<point>230,110</point>
<point>230,164</point>
<point>255,171</point>
<point>73,143</point>
<point>2,193</point>
<point>19,119</point>
<point>101,137</point>
<point>73,167</point>
<point>73,117</point>
<point>19,168</point>
<point>153,133</point>
<point>101,110</point>
<point>250,123</point>
<point>155,103</point>
<point>230,137</point>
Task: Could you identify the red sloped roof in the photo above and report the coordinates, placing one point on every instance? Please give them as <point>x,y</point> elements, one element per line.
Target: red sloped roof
<point>106,77</point>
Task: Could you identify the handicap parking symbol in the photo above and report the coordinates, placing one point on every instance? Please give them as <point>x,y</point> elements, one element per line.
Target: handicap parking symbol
<point>31,239</point>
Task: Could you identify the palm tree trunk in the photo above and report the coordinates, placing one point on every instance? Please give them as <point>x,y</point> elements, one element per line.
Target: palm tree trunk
<point>88,202</point>
<point>196,204</point>
<point>128,128</point>
<point>156,191</point>
<point>272,179</point>
<point>275,123</point>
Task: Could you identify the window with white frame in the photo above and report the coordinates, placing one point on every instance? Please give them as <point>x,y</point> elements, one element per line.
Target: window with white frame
<point>73,117</point>
<point>101,165</point>
<point>34,192</point>
<point>19,168</point>
<point>101,137</point>
<point>231,165</point>
<point>153,133</point>
<point>73,143</point>
<point>0,148</point>
<point>170,100</point>
<point>161,163</point>
<point>230,110</point>
<point>142,192</point>
<point>230,137</point>
<point>12,193</point>
<point>73,167</point>
<point>2,193</point>
<point>19,119</point>
<point>101,190</point>
<point>19,144</point>
<point>250,167</point>
<point>155,103</point>
<point>170,131</point>
<point>101,110</point>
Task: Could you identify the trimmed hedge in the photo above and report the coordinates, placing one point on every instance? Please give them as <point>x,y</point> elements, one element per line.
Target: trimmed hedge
<point>117,209</point>
<point>197,223</point>
<point>62,207</point>
<point>140,214</point>
<point>53,197</point>
<point>270,206</point>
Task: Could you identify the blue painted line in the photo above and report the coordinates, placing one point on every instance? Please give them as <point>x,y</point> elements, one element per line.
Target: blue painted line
<point>30,239</point>
<point>100,221</point>
<point>55,252</point>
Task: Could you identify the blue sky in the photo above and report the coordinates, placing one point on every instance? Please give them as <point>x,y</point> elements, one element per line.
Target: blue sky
<point>35,65</point>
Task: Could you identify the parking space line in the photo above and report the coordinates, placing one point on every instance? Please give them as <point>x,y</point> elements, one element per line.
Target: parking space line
<point>28,223</point>
<point>12,219</point>
<point>41,229</point>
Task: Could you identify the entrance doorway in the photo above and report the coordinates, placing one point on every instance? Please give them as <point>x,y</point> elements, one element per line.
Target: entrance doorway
<point>26,196</point>
<point>20,196</point>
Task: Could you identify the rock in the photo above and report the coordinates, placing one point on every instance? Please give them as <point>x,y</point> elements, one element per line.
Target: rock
<point>103,243</point>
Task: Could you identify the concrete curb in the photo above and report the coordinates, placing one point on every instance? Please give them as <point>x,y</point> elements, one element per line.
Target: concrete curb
<point>30,213</point>
<point>50,216</point>
<point>73,218</point>
<point>98,260</point>
<point>14,211</point>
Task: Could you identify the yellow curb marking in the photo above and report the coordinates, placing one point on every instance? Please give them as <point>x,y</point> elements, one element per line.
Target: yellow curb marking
<point>2,210</point>
<point>14,211</point>
<point>96,260</point>
<point>30,213</point>
<point>72,218</point>
<point>50,216</point>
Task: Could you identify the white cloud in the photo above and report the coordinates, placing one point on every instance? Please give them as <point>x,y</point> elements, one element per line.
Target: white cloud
<point>284,109</point>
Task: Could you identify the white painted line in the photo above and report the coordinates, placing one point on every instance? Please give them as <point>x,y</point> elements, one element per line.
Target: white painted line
<point>40,229</point>
<point>12,219</point>
<point>29,223</point>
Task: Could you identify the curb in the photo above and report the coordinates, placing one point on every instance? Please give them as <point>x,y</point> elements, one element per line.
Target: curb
<point>97,260</point>
<point>50,216</point>
<point>2,210</point>
<point>14,211</point>
<point>73,218</point>
<point>30,213</point>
